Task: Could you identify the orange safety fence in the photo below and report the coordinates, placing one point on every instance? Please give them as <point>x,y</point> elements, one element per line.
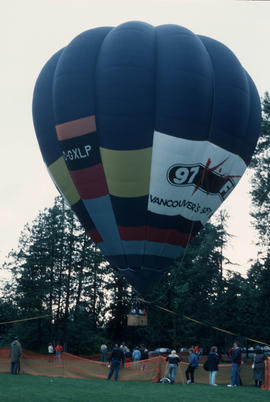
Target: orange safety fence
<point>78,367</point>
<point>266,384</point>
<point>150,370</point>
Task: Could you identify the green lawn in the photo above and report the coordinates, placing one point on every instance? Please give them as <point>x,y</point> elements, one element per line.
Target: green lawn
<point>24,388</point>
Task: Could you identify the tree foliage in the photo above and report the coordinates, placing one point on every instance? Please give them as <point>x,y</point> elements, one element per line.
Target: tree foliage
<point>259,273</point>
<point>57,271</point>
<point>260,192</point>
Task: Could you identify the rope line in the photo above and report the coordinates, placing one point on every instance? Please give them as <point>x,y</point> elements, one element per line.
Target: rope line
<point>160,308</point>
<point>205,324</point>
<point>25,319</point>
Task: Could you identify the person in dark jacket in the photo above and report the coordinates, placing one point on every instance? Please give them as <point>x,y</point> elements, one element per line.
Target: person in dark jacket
<point>212,363</point>
<point>15,355</point>
<point>258,364</point>
<point>117,356</point>
<point>173,359</point>
<point>236,361</point>
<point>144,356</point>
<point>193,363</point>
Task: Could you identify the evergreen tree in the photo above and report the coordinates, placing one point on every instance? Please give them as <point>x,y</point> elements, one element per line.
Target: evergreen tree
<point>260,191</point>
<point>119,306</point>
<point>192,288</point>
<point>259,274</point>
<point>56,270</point>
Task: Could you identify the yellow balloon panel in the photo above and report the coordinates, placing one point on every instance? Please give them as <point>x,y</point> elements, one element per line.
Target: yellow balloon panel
<point>127,172</point>
<point>61,176</point>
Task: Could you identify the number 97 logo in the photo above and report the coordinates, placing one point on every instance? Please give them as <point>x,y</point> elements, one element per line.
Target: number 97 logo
<point>180,175</point>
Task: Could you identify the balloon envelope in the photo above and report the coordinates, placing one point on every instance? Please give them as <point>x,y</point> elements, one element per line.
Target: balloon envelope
<point>145,131</point>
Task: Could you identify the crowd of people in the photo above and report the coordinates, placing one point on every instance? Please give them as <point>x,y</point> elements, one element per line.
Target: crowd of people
<point>121,355</point>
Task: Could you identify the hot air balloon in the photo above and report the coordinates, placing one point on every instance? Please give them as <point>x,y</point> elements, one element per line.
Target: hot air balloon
<point>145,131</point>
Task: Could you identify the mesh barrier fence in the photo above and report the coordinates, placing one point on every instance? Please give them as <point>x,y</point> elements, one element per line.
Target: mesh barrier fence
<point>266,385</point>
<point>150,370</point>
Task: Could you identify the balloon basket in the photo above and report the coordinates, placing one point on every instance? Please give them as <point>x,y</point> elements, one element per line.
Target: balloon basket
<point>136,320</point>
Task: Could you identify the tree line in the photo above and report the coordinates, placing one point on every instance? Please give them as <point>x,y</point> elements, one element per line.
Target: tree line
<point>59,273</point>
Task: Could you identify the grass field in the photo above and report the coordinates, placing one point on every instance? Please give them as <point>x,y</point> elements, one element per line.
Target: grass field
<point>24,388</point>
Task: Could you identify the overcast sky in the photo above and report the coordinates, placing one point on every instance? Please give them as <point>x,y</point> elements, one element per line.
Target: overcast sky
<point>33,30</point>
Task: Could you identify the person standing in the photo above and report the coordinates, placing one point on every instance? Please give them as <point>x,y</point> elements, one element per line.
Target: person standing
<point>212,363</point>
<point>136,356</point>
<point>236,362</point>
<point>142,348</point>
<point>116,358</point>
<point>58,351</point>
<point>128,357</point>
<point>15,355</point>
<point>173,359</point>
<point>144,356</point>
<point>258,366</point>
<point>104,352</point>
<point>124,349</point>
<point>193,363</point>
<point>50,352</point>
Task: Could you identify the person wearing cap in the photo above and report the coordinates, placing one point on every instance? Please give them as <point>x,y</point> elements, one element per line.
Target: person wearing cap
<point>173,359</point>
<point>15,355</point>
<point>258,366</point>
